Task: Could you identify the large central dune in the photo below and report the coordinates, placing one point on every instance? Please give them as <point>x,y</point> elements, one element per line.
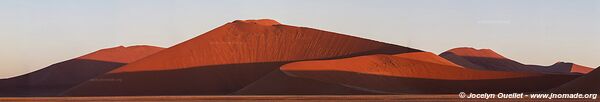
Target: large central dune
<point>56,78</point>
<point>486,59</point>
<point>228,58</point>
<point>396,75</point>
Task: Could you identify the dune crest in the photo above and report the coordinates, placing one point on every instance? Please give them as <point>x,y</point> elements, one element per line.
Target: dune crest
<point>427,57</point>
<point>267,22</point>
<point>122,54</point>
<point>472,52</point>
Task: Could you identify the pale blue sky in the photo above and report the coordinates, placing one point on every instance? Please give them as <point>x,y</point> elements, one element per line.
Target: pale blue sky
<point>37,33</point>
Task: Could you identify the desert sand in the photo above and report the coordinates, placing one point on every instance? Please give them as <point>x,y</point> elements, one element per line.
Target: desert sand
<point>57,78</point>
<point>264,60</point>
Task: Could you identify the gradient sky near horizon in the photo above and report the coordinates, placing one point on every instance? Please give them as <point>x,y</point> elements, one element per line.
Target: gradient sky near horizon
<point>37,33</point>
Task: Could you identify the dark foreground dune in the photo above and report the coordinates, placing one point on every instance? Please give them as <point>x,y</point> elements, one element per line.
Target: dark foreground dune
<point>57,78</point>
<point>280,98</point>
<point>278,83</point>
<point>396,75</point>
<point>54,79</point>
<point>589,83</point>
<point>247,98</point>
<point>227,59</point>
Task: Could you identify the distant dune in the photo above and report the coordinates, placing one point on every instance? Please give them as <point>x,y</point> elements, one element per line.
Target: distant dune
<point>228,58</point>
<point>486,59</point>
<point>56,78</point>
<point>389,74</point>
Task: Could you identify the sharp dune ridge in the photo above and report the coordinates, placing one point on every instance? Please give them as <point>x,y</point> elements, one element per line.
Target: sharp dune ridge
<point>122,54</point>
<point>426,57</point>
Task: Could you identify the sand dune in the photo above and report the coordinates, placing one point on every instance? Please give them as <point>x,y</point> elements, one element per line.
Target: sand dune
<point>397,75</point>
<point>228,58</point>
<point>486,59</point>
<point>427,57</point>
<point>56,78</point>
<point>278,83</point>
<point>589,83</point>
<point>122,54</point>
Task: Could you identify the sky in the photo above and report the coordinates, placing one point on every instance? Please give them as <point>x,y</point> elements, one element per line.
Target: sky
<point>37,33</point>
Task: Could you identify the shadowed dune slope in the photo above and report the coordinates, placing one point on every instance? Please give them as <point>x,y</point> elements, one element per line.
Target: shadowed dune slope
<point>239,52</point>
<point>392,74</point>
<point>486,59</point>
<point>56,78</point>
<point>278,83</point>
<point>589,83</point>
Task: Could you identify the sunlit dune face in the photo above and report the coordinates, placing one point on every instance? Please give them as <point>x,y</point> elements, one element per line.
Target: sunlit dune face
<point>387,65</point>
<point>580,69</point>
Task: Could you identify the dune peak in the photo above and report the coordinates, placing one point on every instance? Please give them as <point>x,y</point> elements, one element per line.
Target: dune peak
<point>473,52</point>
<point>266,22</point>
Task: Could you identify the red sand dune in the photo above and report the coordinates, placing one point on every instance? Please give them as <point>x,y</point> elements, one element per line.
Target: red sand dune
<point>228,58</point>
<point>486,59</point>
<point>575,68</point>
<point>122,54</point>
<point>278,83</point>
<point>392,74</point>
<point>55,79</point>
<point>589,83</point>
